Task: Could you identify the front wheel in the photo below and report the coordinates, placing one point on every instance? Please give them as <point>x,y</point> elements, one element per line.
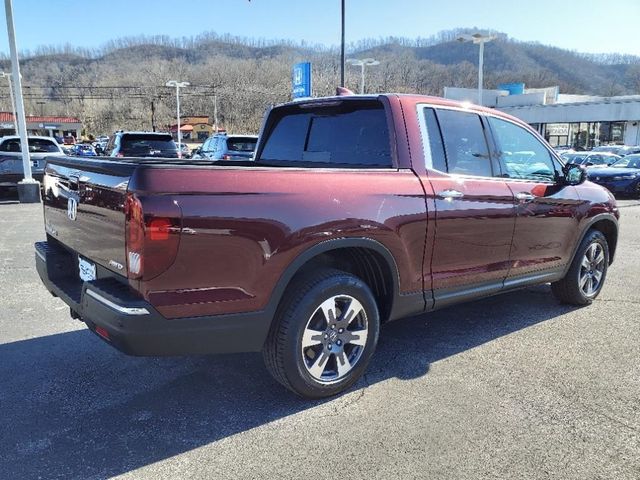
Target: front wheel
<point>585,278</point>
<point>323,335</point>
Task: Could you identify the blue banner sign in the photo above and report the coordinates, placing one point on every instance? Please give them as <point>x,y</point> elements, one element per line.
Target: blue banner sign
<point>512,88</point>
<point>301,80</point>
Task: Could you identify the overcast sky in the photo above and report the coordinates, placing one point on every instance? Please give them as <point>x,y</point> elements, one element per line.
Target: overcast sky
<point>586,26</point>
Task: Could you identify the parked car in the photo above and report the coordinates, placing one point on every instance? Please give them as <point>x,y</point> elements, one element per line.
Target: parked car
<point>69,140</point>
<point>83,150</point>
<point>608,148</point>
<point>356,211</point>
<point>628,150</point>
<point>100,146</point>
<point>563,148</point>
<point>141,144</point>
<point>622,177</point>
<point>185,152</point>
<point>221,146</point>
<point>11,168</point>
<point>590,159</point>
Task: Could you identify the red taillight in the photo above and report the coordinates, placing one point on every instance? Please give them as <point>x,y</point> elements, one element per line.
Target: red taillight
<point>119,154</point>
<point>151,243</point>
<point>226,157</point>
<point>134,235</point>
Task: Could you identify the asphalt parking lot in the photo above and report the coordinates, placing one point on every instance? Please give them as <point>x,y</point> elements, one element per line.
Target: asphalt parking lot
<point>515,386</point>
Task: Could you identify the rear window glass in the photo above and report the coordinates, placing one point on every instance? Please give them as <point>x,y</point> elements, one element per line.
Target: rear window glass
<point>241,144</point>
<point>350,134</point>
<point>148,142</point>
<point>36,145</point>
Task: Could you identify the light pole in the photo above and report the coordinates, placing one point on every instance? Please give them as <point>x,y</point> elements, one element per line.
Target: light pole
<point>178,85</point>
<point>478,39</point>
<point>362,63</point>
<point>13,102</point>
<point>28,188</point>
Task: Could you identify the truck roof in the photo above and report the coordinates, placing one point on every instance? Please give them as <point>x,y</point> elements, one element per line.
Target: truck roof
<point>405,97</point>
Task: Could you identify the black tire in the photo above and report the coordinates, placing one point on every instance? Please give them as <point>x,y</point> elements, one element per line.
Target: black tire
<point>570,289</point>
<point>291,364</point>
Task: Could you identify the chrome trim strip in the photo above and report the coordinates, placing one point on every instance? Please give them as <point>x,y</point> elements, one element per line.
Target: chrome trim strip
<point>116,307</point>
<point>42,257</point>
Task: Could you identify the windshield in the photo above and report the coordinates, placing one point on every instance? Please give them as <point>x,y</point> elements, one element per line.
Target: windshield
<point>632,161</point>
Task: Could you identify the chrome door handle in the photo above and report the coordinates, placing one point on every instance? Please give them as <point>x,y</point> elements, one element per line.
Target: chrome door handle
<point>525,196</point>
<point>450,194</point>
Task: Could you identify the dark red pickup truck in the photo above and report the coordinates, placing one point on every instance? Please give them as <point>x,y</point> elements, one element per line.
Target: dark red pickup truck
<point>357,210</point>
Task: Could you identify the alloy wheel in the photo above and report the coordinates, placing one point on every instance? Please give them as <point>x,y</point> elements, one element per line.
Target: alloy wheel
<point>592,270</point>
<point>334,338</point>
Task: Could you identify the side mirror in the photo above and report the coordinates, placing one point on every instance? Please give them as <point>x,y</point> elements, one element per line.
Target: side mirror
<point>574,174</point>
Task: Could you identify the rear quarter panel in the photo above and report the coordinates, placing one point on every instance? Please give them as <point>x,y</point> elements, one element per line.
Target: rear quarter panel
<point>242,227</point>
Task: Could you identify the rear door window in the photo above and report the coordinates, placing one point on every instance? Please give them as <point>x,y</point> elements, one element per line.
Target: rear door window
<point>438,157</point>
<point>36,145</point>
<point>349,134</point>
<point>12,145</point>
<point>465,143</point>
<point>42,145</point>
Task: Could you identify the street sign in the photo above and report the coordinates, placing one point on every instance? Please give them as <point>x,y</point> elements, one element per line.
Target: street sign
<point>301,80</point>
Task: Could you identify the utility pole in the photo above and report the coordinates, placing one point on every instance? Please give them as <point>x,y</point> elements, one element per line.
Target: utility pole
<point>153,116</point>
<point>342,49</point>
<point>28,188</point>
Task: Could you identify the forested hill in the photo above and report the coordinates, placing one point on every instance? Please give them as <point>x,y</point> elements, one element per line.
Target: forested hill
<point>121,85</point>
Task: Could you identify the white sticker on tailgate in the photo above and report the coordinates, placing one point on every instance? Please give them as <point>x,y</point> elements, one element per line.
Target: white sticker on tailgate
<point>87,270</point>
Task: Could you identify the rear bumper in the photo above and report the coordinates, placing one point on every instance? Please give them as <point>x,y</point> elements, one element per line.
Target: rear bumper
<point>132,325</point>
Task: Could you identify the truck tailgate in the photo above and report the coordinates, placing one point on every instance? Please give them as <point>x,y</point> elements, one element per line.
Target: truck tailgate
<point>84,207</point>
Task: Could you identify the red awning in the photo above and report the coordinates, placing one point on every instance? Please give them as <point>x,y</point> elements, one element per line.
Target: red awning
<point>183,128</point>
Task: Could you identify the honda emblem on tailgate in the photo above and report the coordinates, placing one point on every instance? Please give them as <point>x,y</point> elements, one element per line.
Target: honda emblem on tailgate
<point>72,208</point>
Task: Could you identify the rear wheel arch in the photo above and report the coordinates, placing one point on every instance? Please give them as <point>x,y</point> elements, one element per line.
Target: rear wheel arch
<point>365,258</point>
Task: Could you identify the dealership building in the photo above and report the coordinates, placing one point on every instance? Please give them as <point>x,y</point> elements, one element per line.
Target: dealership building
<point>42,125</point>
<point>579,121</point>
